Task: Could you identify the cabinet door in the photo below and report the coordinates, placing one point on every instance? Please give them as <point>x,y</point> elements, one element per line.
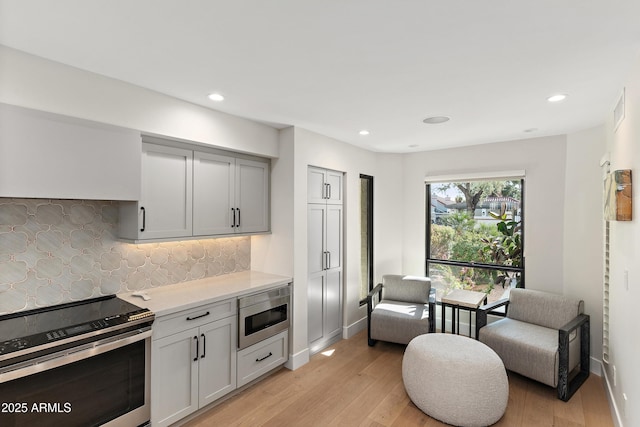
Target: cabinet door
<point>334,187</point>
<point>213,194</point>
<point>252,196</point>
<point>174,378</point>
<point>217,359</point>
<point>166,203</point>
<point>316,190</point>
<point>333,304</point>
<point>333,236</point>
<point>315,306</point>
<point>316,224</point>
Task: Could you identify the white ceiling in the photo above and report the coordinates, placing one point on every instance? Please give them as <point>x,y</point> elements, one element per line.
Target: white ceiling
<point>338,66</point>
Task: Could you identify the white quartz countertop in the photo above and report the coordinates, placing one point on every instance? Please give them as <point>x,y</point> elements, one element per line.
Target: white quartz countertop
<point>183,296</point>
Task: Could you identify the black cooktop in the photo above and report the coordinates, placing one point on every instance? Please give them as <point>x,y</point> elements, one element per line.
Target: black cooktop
<point>28,329</point>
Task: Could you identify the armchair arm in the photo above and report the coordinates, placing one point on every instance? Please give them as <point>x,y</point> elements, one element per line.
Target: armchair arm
<point>370,305</point>
<point>567,387</point>
<point>432,310</point>
<point>484,310</point>
<point>370,301</point>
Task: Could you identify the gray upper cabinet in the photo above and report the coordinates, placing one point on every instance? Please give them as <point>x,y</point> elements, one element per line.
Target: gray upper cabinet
<point>231,195</point>
<point>324,186</point>
<point>50,156</point>
<point>165,208</point>
<point>191,193</point>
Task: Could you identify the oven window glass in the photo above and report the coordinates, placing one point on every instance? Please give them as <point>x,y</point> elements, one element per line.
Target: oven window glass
<point>89,392</point>
<point>265,319</point>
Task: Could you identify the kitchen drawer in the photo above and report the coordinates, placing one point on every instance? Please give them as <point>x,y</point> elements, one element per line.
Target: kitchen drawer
<point>262,357</point>
<point>195,317</point>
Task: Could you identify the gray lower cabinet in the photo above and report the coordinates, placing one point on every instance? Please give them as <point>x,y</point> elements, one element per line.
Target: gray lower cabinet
<point>260,358</point>
<point>193,360</point>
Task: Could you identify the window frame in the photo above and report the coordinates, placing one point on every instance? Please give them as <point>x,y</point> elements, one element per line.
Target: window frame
<point>370,240</point>
<point>472,264</point>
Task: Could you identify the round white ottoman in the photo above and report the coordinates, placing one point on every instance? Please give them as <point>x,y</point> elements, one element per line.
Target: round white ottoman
<point>455,379</point>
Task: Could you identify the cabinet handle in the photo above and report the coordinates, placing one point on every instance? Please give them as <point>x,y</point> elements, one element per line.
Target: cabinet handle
<point>233,224</point>
<point>329,186</point>
<point>204,346</point>
<point>197,317</point>
<point>144,218</point>
<point>238,225</point>
<point>264,358</point>
<point>195,359</point>
<point>326,191</point>
<point>329,260</point>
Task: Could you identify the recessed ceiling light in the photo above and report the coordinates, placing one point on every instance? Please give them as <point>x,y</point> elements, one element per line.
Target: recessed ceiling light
<point>216,97</point>
<point>436,120</point>
<point>557,98</point>
<point>364,132</point>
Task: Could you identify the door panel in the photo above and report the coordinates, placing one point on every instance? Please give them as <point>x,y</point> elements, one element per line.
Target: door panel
<point>174,378</point>
<point>333,303</point>
<point>315,236</point>
<point>217,359</point>
<point>252,189</point>
<point>315,306</point>
<point>315,186</point>
<point>334,236</point>
<point>166,191</point>
<point>334,179</point>
<point>213,195</point>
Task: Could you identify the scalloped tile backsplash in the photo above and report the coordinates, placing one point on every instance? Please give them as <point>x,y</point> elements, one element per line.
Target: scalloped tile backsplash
<point>55,251</point>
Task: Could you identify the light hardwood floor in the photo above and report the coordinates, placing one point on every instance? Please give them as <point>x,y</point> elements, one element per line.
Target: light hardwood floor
<point>356,385</point>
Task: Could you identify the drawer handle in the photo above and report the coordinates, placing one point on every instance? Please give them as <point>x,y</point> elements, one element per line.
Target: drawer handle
<point>264,358</point>
<point>197,317</point>
<point>144,218</point>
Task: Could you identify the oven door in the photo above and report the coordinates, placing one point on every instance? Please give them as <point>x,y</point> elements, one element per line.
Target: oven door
<point>104,383</point>
<point>268,316</point>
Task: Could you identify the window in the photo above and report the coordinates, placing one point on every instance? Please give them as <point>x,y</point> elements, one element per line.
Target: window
<point>475,236</point>
<point>366,236</point>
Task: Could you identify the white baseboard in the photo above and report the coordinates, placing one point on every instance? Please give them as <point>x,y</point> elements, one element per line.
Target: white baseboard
<point>615,412</point>
<point>297,360</point>
<point>595,367</point>
<point>352,329</point>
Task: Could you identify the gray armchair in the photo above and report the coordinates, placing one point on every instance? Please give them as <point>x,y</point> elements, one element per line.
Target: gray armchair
<point>400,308</point>
<point>539,338</point>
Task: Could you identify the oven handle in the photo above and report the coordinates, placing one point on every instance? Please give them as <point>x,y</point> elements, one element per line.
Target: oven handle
<point>263,306</point>
<point>72,355</point>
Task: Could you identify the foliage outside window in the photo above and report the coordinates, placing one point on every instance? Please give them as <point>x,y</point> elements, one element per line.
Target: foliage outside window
<point>475,236</point>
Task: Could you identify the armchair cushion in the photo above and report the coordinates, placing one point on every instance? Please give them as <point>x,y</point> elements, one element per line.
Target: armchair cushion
<point>397,287</point>
<point>543,308</point>
<point>526,348</point>
<point>399,322</point>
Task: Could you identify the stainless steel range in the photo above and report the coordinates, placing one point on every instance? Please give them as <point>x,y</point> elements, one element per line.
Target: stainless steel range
<point>79,364</point>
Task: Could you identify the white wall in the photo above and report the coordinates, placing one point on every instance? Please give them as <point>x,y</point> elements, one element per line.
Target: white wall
<point>543,159</point>
<point>301,148</point>
<point>624,345</point>
<point>583,228</point>
<point>33,82</point>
